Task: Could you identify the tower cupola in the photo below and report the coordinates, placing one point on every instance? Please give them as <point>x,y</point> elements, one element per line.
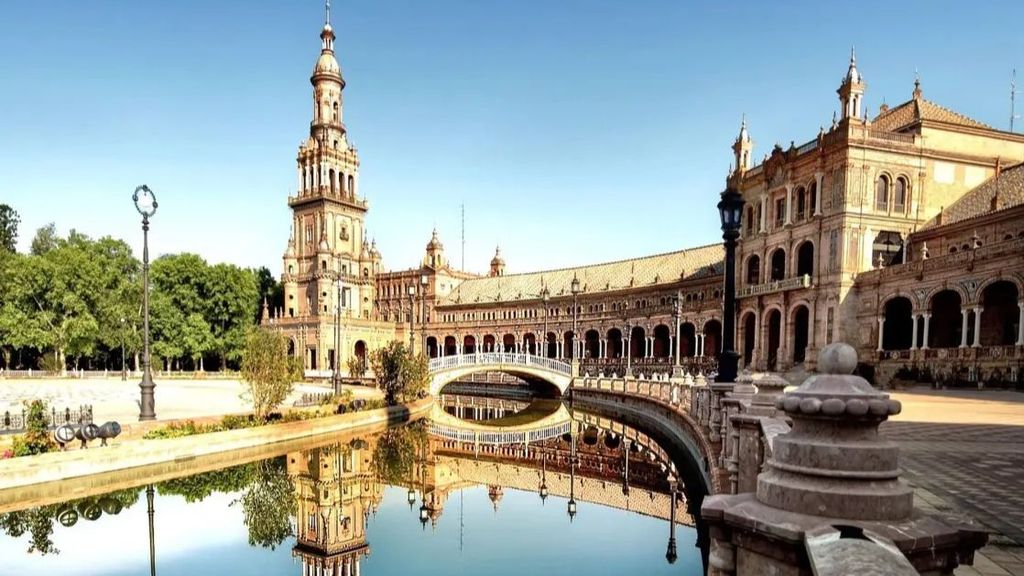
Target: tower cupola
<point>851,91</point>
<point>497,263</point>
<point>742,148</point>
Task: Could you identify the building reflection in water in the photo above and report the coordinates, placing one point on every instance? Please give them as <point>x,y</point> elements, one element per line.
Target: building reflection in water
<point>335,493</point>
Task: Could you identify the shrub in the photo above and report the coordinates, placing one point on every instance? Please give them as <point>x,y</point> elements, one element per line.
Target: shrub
<point>36,439</point>
<point>266,369</point>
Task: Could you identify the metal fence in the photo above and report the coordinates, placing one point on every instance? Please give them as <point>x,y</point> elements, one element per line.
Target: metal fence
<point>15,422</point>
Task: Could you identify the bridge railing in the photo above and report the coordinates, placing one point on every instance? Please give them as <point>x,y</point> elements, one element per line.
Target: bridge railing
<point>490,358</point>
<point>498,437</point>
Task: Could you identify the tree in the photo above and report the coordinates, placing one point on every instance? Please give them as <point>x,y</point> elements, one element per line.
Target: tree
<point>395,453</point>
<point>268,504</point>
<point>232,304</point>
<point>9,221</point>
<point>267,370</point>
<point>46,239</point>
<point>356,366</point>
<point>401,375</point>
<point>270,291</point>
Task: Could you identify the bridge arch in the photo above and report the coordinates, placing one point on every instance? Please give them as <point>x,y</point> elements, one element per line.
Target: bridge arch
<point>531,368</point>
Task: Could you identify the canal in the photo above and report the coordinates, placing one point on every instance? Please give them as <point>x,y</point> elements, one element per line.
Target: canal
<point>461,493</point>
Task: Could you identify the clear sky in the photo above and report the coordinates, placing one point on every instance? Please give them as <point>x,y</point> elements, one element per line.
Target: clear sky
<point>573,131</point>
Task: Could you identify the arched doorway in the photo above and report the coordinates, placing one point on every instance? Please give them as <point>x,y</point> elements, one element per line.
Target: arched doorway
<point>508,343</point>
<point>898,328</point>
<point>591,344</point>
<point>712,338</point>
<point>360,350</point>
<point>753,270</point>
<point>1000,315</point>
<point>432,346</point>
<point>489,343</point>
<point>637,342</point>
<point>530,343</point>
<point>551,349</point>
<point>291,348</point>
<point>774,338</point>
<point>662,341</point>
<point>614,346</point>
<point>946,329</point>
<point>749,333</point>
<point>688,340</point>
<point>469,345</point>
<point>450,348</point>
<point>805,259</point>
<point>778,269</point>
<point>801,331</point>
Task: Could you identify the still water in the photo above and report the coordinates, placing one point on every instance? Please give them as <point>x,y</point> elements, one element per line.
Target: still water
<point>410,500</point>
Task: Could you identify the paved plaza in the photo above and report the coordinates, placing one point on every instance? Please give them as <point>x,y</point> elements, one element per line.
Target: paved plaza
<point>113,399</point>
<point>963,451</point>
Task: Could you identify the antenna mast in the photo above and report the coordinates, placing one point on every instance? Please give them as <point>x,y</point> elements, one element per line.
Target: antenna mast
<point>463,208</point>
<point>1013,97</point>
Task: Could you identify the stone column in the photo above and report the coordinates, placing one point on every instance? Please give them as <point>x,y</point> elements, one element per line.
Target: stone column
<point>977,327</point>
<point>789,205</point>
<point>1020,323</point>
<point>761,223</point>
<point>818,176</point>
<point>913,332</point>
<point>963,327</point>
<point>927,328</point>
<point>881,327</point>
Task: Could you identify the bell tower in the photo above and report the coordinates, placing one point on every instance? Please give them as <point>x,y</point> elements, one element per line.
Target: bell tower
<point>742,148</point>
<point>328,215</point>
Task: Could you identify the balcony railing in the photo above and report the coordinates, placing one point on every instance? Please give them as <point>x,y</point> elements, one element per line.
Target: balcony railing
<point>795,283</point>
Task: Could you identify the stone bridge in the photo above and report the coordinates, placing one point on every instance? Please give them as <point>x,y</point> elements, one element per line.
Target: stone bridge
<point>531,368</point>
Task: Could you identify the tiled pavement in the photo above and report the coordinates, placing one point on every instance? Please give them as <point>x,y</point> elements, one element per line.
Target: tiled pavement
<point>971,468</point>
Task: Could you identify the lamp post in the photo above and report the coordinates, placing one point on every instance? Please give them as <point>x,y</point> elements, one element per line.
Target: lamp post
<point>336,375</point>
<point>412,318</point>
<point>677,315</point>
<point>671,554</point>
<point>545,295</point>
<point>543,478</point>
<point>424,280</point>
<point>730,208</point>
<point>145,203</point>
<point>575,289</point>
<point>571,506</point>
<point>124,370</point>
<point>152,540</point>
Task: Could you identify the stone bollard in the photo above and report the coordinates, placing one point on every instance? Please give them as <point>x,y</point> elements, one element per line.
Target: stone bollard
<point>830,501</point>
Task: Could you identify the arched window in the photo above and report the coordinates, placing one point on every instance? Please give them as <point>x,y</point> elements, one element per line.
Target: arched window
<point>750,220</point>
<point>899,195</point>
<point>812,194</point>
<point>335,106</point>
<point>351,185</point>
<point>753,271</point>
<point>801,203</point>
<point>334,181</point>
<point>882,193</point>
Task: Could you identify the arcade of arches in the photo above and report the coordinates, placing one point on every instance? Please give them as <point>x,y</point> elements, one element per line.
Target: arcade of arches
<point>947,321</point>
<point>657,343</point>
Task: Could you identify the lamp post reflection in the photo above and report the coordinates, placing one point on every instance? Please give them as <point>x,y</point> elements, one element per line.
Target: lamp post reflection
<point>152,541</point>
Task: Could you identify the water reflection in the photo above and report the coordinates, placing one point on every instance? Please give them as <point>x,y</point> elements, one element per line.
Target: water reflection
<point>322,501</point>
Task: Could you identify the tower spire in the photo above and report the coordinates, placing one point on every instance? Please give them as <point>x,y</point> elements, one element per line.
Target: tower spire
<point>327,15</point>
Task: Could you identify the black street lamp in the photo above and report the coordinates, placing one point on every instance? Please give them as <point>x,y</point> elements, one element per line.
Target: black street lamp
<point>545,295</point>
<point>124,369</point>
<point>152,540</point>
<point>575,289</point>
<point>145,203</point>
<point>412,318</point>
<point>424,280</point>
<point>730,209</point>
<point>543,478</point>
<point>671,553</point>
<point>571,506</point>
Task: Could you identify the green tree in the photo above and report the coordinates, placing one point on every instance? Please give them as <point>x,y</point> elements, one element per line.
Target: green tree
<point>46,239</point>
<point>395,453</point>
<point>270,290</point>
<point>401,375</point>
<point>231,308</point>
<point>198,487</point>
<point>267,370</point>
<point>268,505</point>
<point>9,221</point>
<point>36,439</point>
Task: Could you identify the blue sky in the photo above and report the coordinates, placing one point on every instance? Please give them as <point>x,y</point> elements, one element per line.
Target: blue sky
<point>573,131</point>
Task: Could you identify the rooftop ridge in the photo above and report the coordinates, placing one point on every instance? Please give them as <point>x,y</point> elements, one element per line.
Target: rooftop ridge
<point>609,262</point>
